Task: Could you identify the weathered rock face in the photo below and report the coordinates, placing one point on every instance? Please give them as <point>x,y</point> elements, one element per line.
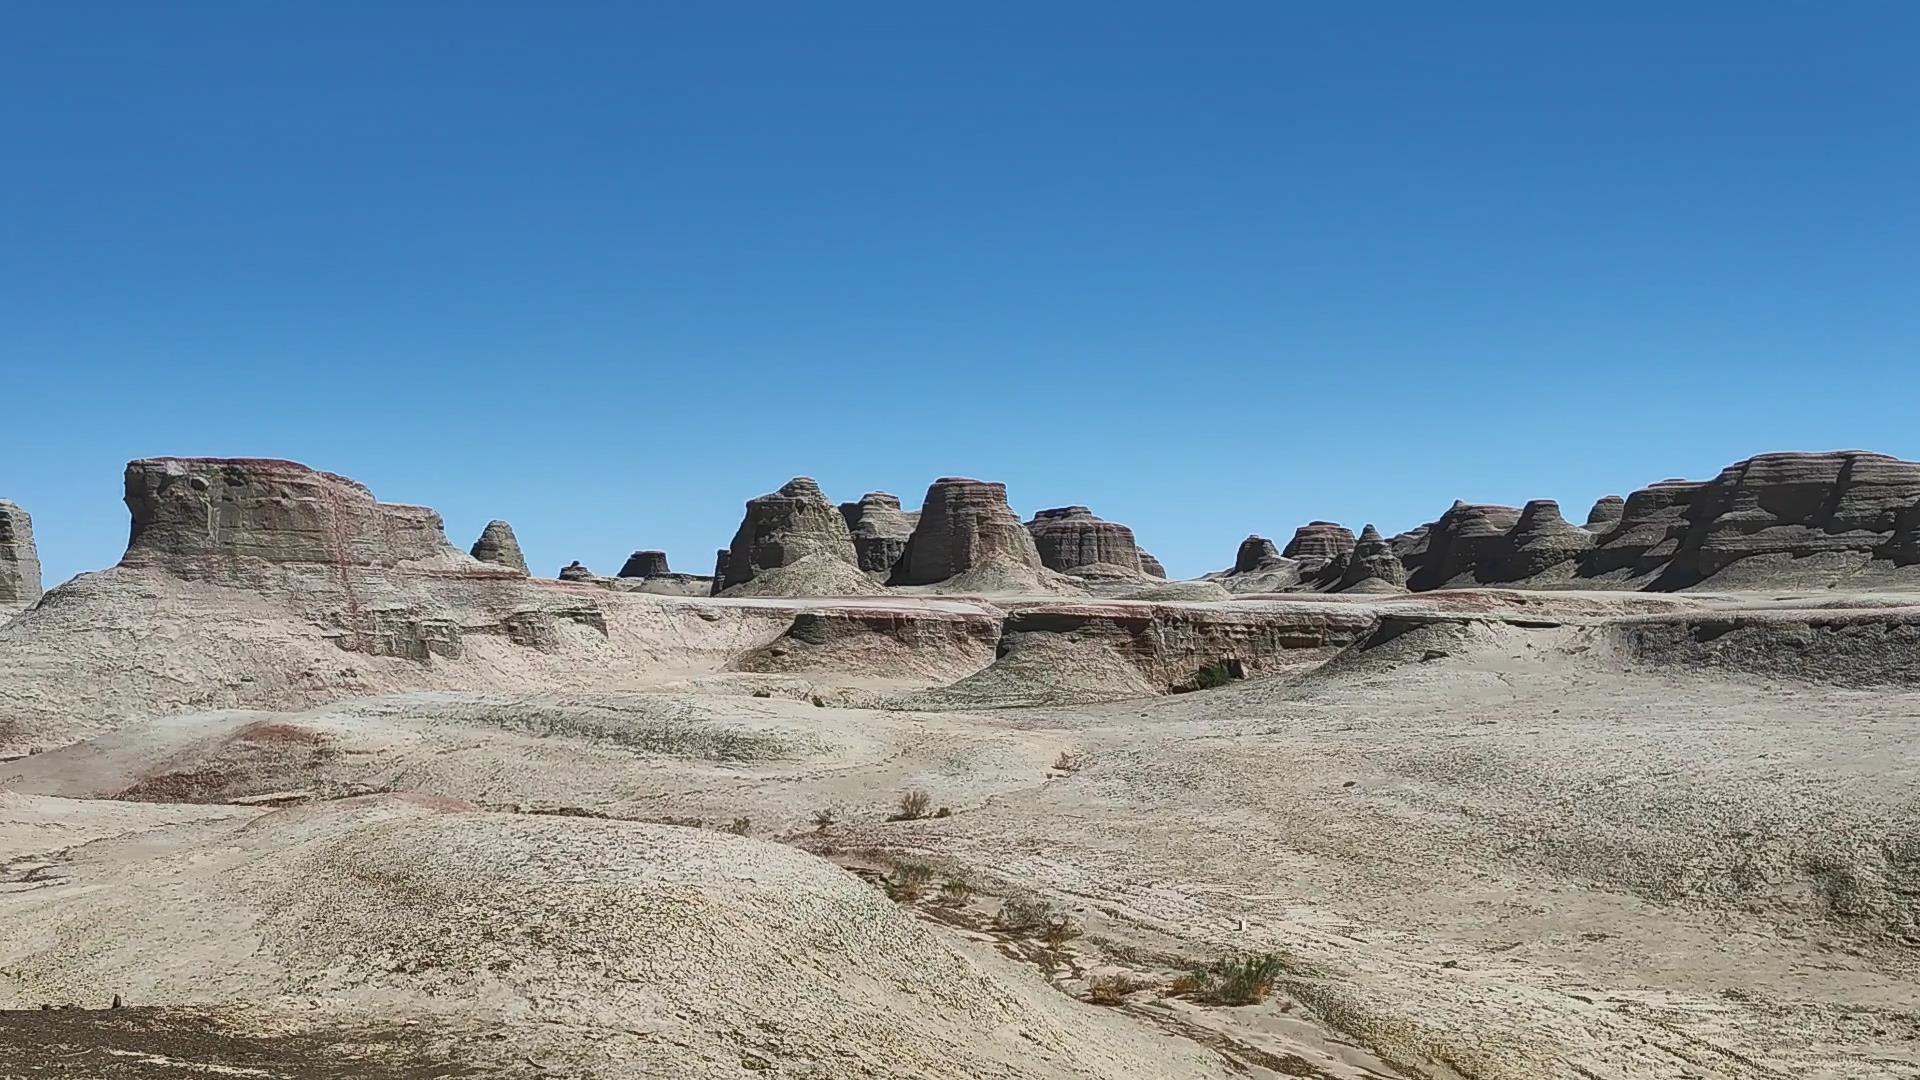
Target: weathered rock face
<point>1793,505</point>
<point>498,545</point>
<point>1168,645</point>
<point>1255,553</point>
<point>19,559</point>
<point>219,518</point>
<point>1322,549</point>
<point>1652,524</point>
<point>1373,567</point>
<point>645,564</point>
<point>1069,537</point>
<point>1903,548</point>
<point>880,530</point>
<point>720,560</point>
<point>576,571</point>
<point>1606,514</point>
<point>1150,566</point>
<point>784,527</point>
<point>1464,536</point>
<point>1540,541</point>
<point>963,524</point>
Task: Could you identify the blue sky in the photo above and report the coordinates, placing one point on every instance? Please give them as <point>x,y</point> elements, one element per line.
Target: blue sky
<point>608,271</point>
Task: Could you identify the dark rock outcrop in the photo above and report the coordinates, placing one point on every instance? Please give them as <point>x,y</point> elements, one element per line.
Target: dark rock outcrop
<point>964,524</point>
<point>1465,535</point>
<point>720,559</point>
<point>1652,524</point>
<point>784,527</point>
<point>232,518</point>
<point>498,545</point>
<point>1606,514</point>
<point>1540,541</point>
<point>1372,567</point>
<point>645,564</point>
<point>1255,553</point>
<point>880,530</point>
<point>1150,566</point>
<point>19,559</point>
<point>1322,549</point>
<point>575,571</point>
<point>1070,537</point>
<point>1793,506</point>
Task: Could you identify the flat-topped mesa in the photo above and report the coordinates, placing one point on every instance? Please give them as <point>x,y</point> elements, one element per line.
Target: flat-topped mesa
<point>1841,507</point>
<point>1322,549</point>
<point>784,527</point>
<point>1606,514</point>
<point>1070,537</point>
<point>645,564</point>
<point>1540,541</point>
<point>1464,537</point>
<point>1150,566</point>
<point>228,518</point>
<point>1372,567</point>
<point>576,571</point>
<point>498,545</point>
<point>880,530</point>
<point>964,524</point>
<point>20,583</point>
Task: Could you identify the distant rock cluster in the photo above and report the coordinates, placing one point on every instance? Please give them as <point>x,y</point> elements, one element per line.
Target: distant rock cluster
<point>1776,519</point>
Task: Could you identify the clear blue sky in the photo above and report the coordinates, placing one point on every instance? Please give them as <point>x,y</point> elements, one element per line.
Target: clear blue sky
<point>607,270</point>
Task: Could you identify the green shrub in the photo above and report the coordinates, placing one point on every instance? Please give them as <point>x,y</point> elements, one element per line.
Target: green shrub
<point>913,806</point>
<point>1240,980</point>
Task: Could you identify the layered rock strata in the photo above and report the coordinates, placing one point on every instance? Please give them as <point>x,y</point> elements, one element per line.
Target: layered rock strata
<point>20,582</point>
<point>880,530</point>
<point>497,545</point>
<point>1070,537</point>
<point>964,524</point>
<point>645,564</point>
<point>1372,567</point>
<point>784,527</point>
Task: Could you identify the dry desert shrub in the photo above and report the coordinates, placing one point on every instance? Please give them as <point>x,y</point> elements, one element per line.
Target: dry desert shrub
<point>1240,980</point>
<point>913,806</point>
<point>1113,989</point>
<point>741,826</point>
<point>955,892</point>
<point>910,882</point>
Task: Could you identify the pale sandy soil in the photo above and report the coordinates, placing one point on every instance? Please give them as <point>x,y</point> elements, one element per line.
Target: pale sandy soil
<point>1515,841</point>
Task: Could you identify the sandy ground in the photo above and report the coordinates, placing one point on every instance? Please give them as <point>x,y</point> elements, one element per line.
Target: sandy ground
<point>1512,840</point>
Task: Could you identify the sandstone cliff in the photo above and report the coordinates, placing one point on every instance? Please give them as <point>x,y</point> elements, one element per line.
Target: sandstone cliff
<point>19,559</point>
<point>963,524</point>
<point>784,527</point>
<point>1070,537</point>
<point>880,530</point>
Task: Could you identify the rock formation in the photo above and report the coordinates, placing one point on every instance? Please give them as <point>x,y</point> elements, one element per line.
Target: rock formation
<point>19,559</point>
<point>1464,536</point>
<point>1255,553</point>
<point>1540,541</point>
<point>720,559</point>
<point>1322,549</point>
<point>1606,514</point>
<point>1150,566</point>
<point>1838,507</point>
<point>784,527</point>
<point>575,571</point>
<point>645,564</point>
<point>233,518</point>
<point>880,530</point>
<point>498,545</point>
<point>1652,523</point>
<point>1070,537</point>
<point>1372,567</point>
<point>963,524</point>
<point>1258,567</point>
